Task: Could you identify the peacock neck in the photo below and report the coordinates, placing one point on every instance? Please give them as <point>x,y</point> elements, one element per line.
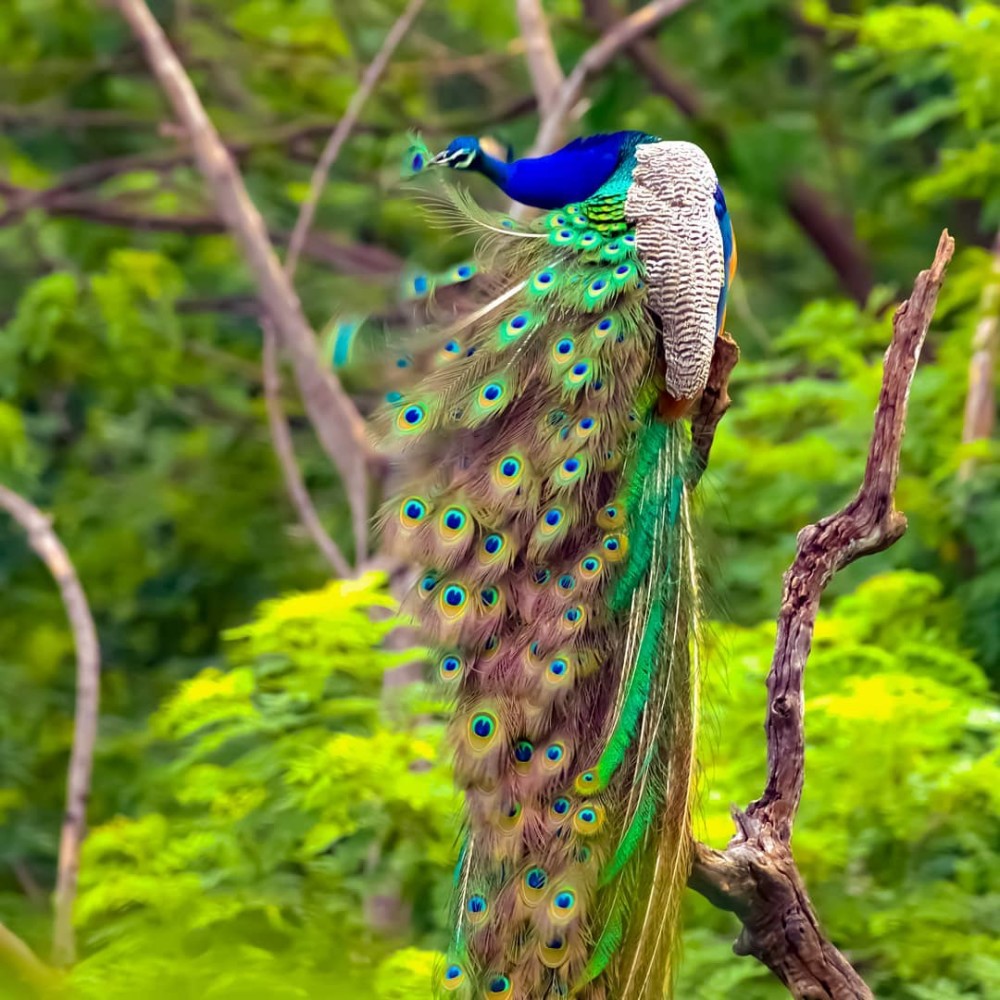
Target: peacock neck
<point>496,170</point>
<point>548,182</point>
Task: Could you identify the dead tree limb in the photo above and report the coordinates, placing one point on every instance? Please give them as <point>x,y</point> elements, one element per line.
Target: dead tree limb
<point>756,877</point>
<point>335,419</point>
<point>51,551</point>
<point>712,406</point>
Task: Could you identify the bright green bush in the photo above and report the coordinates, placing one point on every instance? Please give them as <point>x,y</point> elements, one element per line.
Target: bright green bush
<point>290,809</point>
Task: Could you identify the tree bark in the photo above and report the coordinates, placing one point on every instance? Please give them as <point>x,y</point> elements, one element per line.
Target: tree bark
<point>53,553</point>
<point>756,877</point>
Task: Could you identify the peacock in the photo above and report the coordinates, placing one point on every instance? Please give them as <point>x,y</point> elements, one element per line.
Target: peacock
<point>542,486</point>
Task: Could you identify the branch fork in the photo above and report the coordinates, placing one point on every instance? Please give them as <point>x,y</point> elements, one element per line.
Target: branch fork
<point>756,877</point>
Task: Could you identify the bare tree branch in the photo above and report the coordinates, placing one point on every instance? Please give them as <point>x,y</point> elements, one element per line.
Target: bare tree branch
<point>279,430</point>
<point>343,129</point>
<point>829,232</point>
<point>281,439</point>
<point>712,406</point>
<point>51,551</point>
<point>337,422</point>
<point>355,258</point>
<point>756,877</point>
<point>981,401</point>
<point>642,52</point>
<point>599,55</point>
<point>546,74</point>
<point>25,964</point>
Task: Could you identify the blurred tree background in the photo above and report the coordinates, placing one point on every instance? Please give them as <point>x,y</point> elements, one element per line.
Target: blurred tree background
<point>268,817</point>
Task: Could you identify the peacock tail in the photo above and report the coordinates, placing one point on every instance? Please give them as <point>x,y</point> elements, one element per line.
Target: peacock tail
<point>540,460</point>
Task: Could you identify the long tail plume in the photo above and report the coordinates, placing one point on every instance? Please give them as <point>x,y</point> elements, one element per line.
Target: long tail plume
<point>544,496</point>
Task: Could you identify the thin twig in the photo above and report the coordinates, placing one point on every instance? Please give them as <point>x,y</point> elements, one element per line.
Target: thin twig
<point>25,964</point>
<point>281,439</point>
<point>357,258</point>
<point>540,54</point>
<point>981,402</point>
<point>51,551</point>
<point>335,419</point>
<point>756,877</point>
<point>599,55</point>
<point>343,129</point>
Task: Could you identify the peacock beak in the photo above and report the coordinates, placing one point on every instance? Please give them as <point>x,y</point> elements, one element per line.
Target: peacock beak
<point>444,158</point>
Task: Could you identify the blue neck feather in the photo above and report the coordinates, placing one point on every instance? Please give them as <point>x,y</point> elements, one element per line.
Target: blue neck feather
<point>571,174</point>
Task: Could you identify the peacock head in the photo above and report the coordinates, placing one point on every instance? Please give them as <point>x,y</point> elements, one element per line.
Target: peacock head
<point>461,154</point>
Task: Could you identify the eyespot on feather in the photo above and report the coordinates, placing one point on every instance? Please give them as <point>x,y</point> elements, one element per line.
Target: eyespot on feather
<point>562,907</point>
<point>551,521</point>
<point>606,327</point>
<point>413,511</point>
<point>613,250</point>
<point>624,274</point>
<point>559,810</point>
<point>559,672</point>
<point>499,987</point>
<point>451,666</point>
<point>524,751</point>
<point>411,419</point>
<point>477,909</point>
<point>491,648</point>
<point>589,819</point>
<point>553,757</point>
<point>552,952</point>
<point>563,350</point>
<point>579,375</point>
<point>514,328</point>
<point>482,731</point>
<point>453,977</point>
<point>532,886</point>
<point>570,471</point>
<point>510,819</point>
<point>454,524</point>
<point>452,601</point>
<point>615,547</point>
<point>508,472</point>
<point>544,281</point>
<point>611,517</point>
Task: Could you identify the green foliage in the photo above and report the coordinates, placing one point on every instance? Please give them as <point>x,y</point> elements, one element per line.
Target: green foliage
<point>898,826</point>
<point>287,808</point>
<point>283,808</point>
